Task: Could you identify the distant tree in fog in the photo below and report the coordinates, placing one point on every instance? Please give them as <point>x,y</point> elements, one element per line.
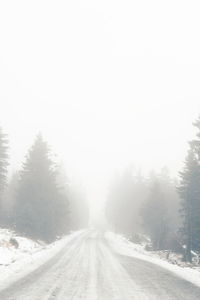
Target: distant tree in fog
<point>9,199</point>
<point>79,207</point>
<point>172,200</point>
<point>3,170</point>
<point>160,211</point>
<point>155,216</point>
<point>189,190</point>
<point>127,192</point>
<point>41,208</point>
<point>78,204</point>
<point>138,205</point>
<point>3,160</point>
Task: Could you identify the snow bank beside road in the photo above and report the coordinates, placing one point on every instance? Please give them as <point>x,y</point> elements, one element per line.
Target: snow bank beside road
<point>122,246</point>
<point>9,253</point>
<point>16,263</point>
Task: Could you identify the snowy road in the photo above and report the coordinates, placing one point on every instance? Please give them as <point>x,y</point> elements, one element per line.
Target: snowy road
<point>87,268</point>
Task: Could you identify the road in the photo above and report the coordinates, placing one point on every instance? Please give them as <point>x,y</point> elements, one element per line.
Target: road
<point>87,268</point>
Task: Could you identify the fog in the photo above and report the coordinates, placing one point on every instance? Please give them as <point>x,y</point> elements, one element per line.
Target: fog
<point>108,85</point>
<point>99,149</point>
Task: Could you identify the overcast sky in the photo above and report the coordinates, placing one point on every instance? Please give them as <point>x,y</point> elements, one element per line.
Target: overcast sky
<point>107,82</point>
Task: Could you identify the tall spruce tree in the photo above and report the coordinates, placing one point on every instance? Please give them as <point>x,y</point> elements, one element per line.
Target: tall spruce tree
<point>189,190</point>
<point>3,162</point>
<point>41,208</point>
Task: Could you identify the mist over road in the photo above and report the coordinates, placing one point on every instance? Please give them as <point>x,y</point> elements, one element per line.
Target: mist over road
<point>87,268</point>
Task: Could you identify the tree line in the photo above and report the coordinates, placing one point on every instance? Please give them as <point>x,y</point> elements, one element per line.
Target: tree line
<point>165,209</point>
<point>37,201</point>
<point>138,206</point>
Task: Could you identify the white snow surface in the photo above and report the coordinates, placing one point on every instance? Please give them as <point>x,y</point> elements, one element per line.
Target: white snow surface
<point>87,265</point>
<point>15,263</point>
<point>123,246</point>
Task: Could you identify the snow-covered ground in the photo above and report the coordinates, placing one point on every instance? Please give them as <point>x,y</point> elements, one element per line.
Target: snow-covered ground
<point>16,263</point>
<point>123,246</point>
<point>92,265</point>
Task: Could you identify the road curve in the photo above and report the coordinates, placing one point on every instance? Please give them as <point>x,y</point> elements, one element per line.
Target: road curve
<point>87,268</point>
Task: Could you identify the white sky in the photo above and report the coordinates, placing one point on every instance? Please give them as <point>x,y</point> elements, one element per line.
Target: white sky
<point>107,82</point>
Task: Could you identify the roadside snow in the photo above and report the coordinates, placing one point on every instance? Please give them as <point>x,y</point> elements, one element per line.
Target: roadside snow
<point>16,263</point>
<point>9,253</point>
<point>122,246</point>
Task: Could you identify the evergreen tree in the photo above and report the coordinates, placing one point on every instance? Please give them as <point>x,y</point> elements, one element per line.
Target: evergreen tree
<point>41,208</point>
<point>172,200</point>
<point>126,194</point>
<point>9,200</point>
<point>189,190</point>
<point>114,205</point>
<point>155,217</point>
<point>79,208</point>
<point>78,204</point>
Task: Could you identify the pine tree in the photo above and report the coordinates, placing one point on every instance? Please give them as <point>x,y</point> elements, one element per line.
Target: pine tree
<point>126,194</point>
<point>155,217</point>
<point>78,204</point>
<point>189,190</point>
<point>113,207</point>
<point>172,200</point>
<point>79,208</point>
<point>9,199</point>
<point>41,208</point>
